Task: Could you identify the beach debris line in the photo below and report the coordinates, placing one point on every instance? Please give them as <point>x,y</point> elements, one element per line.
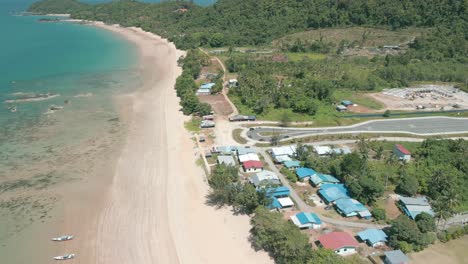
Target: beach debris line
<point>65,257</point>
<point>63,238</point>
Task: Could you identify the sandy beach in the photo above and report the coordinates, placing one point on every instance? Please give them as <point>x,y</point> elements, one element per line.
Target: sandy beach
<point>152,210</point>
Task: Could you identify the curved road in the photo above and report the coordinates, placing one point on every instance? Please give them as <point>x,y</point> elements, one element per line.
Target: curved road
<point>417,126</point>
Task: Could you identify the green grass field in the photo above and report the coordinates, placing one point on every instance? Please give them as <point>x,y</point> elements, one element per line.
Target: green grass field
<point>359,98</point>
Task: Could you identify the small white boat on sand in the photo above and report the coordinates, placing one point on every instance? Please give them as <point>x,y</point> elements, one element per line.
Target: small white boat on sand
<point>62,238</point>
<point>65,257</point>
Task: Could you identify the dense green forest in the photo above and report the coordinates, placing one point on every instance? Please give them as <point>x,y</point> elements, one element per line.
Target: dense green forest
<point>251,22</point>
<point>306,87</point>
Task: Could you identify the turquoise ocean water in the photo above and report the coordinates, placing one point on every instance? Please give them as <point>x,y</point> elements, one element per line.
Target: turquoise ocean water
<point>44,155</point>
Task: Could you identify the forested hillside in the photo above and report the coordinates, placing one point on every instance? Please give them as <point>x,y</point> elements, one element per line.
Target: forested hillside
<point>242,22</point>
<point>438,53</point>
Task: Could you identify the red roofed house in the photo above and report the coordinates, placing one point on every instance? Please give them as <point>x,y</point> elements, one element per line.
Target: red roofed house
<point>341,242</point>
<point>401,153</point>
<point>252,166</point>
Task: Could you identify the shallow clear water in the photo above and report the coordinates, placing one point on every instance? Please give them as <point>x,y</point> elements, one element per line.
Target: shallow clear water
<point>42,151</point>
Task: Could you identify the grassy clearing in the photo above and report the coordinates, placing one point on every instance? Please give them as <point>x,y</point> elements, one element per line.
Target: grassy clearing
<point>359,98</point>
<point>374,37</point>
<point>236,135</point>
<point>193,125</point>
<point>449,253</point>
<point>292,56</point>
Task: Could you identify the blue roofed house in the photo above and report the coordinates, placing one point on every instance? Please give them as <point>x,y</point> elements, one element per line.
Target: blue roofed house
<point>333,192</point>
<point>292,164</point>
<point>373,237</point>
<point>350,207</point>
<point>414,206</point>
<point>205,88</point>
<point>319,179</point>
<point>278,192</point>
<point>304,173</point>
<point>306,220</point>
<point>280,197</point>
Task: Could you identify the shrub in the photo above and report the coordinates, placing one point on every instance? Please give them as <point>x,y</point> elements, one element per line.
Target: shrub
<point>379,214</point>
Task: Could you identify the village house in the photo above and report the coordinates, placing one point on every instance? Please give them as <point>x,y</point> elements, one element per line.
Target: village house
<point>333,192</point>
<point>318,179</point>
<point>341,243</point>
<point>395,257</point>
<point>414,206</point>
<point>322,150</point>
<point>303,174</point>
<point>264,178</point>
<point>252,166</point>
<point>228,160</point>
<point>280,198</point>
<point>205,88</point>
<point>373,237</point>
<point>292,164</point>
<point>401,153</point>
<point>247,157</point>
<point>349,207</point>
<point>306,220</point>
<point>284,151</point>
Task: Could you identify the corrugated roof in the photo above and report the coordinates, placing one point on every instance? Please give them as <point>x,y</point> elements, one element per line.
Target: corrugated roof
<point>305,218</point>
<point>207,85</point>
<point>348,206</point>
<point>245,150</point>
<point>396,257</point>
<point>402,149</point>
<point>323,178</point>
<point>228,160</point>
<point>337,240</point>
<point>416,205</point>
<point>373,235</point>
<point>252,164</point>
<point>285,150</point>
<point>264,177</point>
<point>279,191</point>
<point>322,150</point>
<point>250,156</point>
<point>333,192</point>
<point>304,172</point>
<point>291,163</point>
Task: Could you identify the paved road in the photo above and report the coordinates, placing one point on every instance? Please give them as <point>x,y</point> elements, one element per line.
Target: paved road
<point>419,126</point>
<point>306,208</point>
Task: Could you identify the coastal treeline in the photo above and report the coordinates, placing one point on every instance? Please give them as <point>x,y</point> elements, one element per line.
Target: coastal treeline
<point>186,86</point>
<point>254,22</point>
<point>270,232</point>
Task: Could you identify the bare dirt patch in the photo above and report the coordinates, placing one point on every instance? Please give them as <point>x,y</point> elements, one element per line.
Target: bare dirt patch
<point>218,103</point>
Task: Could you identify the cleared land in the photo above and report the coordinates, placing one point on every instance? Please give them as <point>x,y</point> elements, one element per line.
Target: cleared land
<point>452,252</point>
<point>367,37</point>
<point>423,97</point>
